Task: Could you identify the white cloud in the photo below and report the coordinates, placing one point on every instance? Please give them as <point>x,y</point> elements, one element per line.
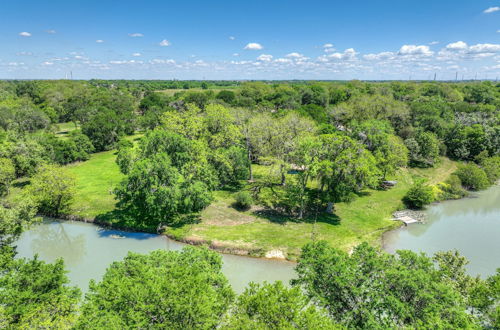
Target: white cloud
<point>484,48</point>
<point>136,54</point>
<point>297,57</point>
<point>498,31</point>
<point>379,56</point>
<point>253,46</point>
<point>136,35</point>
<point>126,62</point>
<point>231,38</point>
<point>161,61</point>
<point>99,41</point>
<point>459,45</point>
<point>491,10</point>
<point>283,60</point>
<point>265,57</point>
<point>47,63</point>
<point>51,31</point>
<point>24,54</point>
<point>348,54</point>
<point>328,46</point>
<point>236,54</point>
<point>432,43</point>
<point>164,43</point>
<point>25,34</point>
<point>415,50</point>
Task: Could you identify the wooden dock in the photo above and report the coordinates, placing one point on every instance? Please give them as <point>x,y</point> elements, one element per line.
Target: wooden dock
<point>406,218</point>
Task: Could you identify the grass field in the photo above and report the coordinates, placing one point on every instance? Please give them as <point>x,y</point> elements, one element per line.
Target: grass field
<point>63,129</point>
<point>95,181</point>
<point>364,219</point>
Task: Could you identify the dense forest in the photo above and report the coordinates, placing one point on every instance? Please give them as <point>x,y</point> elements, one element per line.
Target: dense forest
<point>287,151</point>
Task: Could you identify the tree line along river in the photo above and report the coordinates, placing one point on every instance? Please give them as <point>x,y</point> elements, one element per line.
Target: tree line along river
<point>470,225</point>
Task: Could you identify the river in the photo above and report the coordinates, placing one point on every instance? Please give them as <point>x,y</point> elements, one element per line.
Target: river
<point>88,250</point>
<point>470,225</point>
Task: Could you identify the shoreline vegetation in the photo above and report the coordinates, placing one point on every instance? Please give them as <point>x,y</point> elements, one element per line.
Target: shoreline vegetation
<point>252,232</point>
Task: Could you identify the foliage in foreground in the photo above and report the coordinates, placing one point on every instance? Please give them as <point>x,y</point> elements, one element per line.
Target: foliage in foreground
<point>165,289</point>
<point>274,306</point>
<point>34,294</point>
<point>373,289</point>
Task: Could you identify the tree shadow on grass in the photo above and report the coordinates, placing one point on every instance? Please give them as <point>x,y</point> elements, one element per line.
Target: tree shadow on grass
<point>126,219</point>
<point>282,219</point>
<point>123,219</point>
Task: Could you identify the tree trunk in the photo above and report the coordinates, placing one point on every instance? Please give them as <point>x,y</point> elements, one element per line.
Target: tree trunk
<point>329,208</point>
<point>283,177</point>
<point>249,155</point>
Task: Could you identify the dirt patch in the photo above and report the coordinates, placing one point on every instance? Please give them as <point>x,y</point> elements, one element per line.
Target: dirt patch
<point>225,215</point>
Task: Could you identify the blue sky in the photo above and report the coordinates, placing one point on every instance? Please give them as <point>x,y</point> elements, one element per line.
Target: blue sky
<point>271,39</point>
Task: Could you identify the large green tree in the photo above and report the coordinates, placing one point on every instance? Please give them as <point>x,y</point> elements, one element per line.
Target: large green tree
<point>346,167</point>
<point>372,289</point>
<point>53,189</point>
<point>156,192</point>
<point>165,289</point>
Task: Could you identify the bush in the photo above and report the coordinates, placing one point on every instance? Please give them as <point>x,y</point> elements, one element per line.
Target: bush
<point>473,177</point>
<point>243,200</point>
<point>491,167</point>
<point>452,188</point>
<point>418,196</point>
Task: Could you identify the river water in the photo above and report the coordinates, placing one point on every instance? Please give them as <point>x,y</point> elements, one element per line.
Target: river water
<point>88,250</point>
<point>470,225</point>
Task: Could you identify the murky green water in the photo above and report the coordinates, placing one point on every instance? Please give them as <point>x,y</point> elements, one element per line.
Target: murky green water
<point>470,225</point>
<point>88,250</point>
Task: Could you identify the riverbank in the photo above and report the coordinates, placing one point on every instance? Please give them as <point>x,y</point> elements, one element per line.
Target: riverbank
<point>255,232</point>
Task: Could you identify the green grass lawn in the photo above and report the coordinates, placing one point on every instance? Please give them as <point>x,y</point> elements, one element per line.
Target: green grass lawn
<point>63,129</point>
<point>364,219</point>
<point>95,181</point>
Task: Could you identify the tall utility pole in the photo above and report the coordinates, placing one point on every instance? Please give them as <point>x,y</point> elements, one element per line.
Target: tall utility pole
<point>456,76</point>
<point>434,76</point>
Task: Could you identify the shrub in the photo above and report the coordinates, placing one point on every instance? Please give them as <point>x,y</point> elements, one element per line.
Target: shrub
<point>243,200</point>
<point>472,176</point>
<point>491,167</point>
<point>418,196</point>
<point>452,188</point>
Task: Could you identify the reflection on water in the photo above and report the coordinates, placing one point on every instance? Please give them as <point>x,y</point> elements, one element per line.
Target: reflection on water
<point>470,225</point>
<point>88,250</point>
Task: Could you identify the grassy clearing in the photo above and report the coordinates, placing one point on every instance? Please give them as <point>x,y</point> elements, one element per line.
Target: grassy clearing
<point>95,181</point>
<point>63,129</point>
